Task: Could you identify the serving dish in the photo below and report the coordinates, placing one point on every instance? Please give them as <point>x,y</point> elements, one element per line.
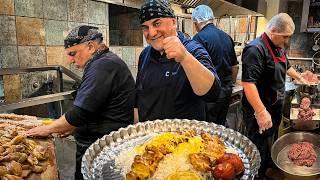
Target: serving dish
<point>99,160</point>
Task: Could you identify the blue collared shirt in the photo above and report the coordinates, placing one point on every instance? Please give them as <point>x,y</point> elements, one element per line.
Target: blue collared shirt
<point>155,71</point>
<point>220,46</point>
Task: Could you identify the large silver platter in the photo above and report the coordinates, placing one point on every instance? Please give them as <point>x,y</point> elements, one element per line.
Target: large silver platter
<point>99,160</point>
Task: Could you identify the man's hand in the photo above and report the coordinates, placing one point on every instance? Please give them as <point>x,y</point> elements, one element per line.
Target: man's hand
<point>303,81</point>
<point>40,131</point>
<point>66,134</point>
<point>264,120</point>
<point>174,48</point>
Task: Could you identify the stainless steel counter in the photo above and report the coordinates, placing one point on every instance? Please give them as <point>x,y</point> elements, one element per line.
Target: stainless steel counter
<point>236,94</point>
<point>234,116</point>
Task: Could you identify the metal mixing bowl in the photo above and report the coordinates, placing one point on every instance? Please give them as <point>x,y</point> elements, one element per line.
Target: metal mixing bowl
<point>291,171</point>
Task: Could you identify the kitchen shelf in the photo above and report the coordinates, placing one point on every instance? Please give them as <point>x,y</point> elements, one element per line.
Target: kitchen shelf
<point>313,29</point>
<point>315,4</point>
<point>310,16</point>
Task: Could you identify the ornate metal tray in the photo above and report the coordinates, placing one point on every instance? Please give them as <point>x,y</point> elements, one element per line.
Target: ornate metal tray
<point>99,160</point>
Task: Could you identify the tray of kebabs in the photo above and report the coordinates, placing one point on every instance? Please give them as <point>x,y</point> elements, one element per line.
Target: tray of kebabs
<point>172,149</point>
<point>22,157</point>
<point>24,121</point>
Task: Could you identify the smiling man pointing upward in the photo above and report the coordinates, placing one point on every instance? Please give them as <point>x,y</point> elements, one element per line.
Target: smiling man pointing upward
<point>175,75</point>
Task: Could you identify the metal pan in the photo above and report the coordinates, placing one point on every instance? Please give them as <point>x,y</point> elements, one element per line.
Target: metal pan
<point>293,172</point>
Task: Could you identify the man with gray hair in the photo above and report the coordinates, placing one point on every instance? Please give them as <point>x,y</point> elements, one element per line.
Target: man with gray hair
<point>104,100</point>
<point>220,47</point>
<point>264,69</point>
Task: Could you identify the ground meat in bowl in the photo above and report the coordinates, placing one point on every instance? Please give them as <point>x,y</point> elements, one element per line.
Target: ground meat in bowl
<point>302,154</point>
<point>305,111</point>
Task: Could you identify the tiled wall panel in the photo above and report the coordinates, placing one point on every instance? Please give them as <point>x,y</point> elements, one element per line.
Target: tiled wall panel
<point>55,9</point>
<point>7,7</point>
<point>8,57</point>
<point>56,56</point>
<point>7,30</point>
<point>12,88</point>
<point>78,10</point>
<point>30,31</point>
<point>32,56</point>
<point>30,8</point>
<point>55,31</point>
<point>97,12</point>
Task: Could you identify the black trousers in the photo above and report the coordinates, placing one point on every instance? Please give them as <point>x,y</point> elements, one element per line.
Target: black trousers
<point>263,141</point>
<point>81,149</point>
<point>217,112</point>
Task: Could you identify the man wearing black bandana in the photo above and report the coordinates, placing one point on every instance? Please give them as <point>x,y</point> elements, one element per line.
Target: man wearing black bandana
<point>175,74</point>
<point>105,98</point>
<point>264,69</point>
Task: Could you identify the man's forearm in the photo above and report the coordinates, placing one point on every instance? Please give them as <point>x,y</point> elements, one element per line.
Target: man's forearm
<point>252,95</point>
<point>294,74</point>
<point>200,78</point>
<point>60,126</point>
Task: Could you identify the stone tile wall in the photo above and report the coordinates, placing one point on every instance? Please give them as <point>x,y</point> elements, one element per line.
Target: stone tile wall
<point>7,7</point>
<point>32,33</point>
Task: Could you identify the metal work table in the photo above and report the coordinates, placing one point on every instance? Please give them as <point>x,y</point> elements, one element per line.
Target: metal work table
<point>234,116</point>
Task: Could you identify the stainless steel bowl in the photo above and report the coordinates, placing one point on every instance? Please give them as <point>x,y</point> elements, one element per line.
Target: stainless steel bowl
<point>280,158</point>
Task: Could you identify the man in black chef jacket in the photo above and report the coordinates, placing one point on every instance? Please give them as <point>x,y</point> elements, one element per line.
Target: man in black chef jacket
<point>105,98</point>
<point>175,74</point>
<point>220,46</point>
<point>264,69</point>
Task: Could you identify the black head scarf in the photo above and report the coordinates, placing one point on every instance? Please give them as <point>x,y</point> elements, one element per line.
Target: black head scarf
<point>82,34</point>
<point>152,9</point>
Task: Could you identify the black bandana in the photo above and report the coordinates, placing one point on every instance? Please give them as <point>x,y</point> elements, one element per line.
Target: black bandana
<point>81,34</point>
<point>152,9</point>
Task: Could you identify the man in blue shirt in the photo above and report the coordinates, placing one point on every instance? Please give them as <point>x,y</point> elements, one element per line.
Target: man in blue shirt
<point>220,46</point>
<point>105,98</point>
<point>175,74</point>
